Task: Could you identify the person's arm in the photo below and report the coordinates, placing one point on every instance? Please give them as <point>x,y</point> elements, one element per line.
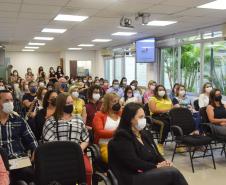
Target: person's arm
<point>175,102</point>
<point>84,113</point>
<point>153,109</point>
<point>126,155</point>
<point>84,137</point>
<point>210,114</point>
<point>98,127</point>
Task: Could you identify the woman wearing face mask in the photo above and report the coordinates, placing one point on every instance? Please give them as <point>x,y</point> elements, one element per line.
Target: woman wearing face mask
<point>159,106</point>
<point>29,76</point>
<point>116,89</point>
<point>64,126</point>
<point>123,83</point>
<point>94,104</point>
<point>181,100</point>
<point>173,92</point>
<point>40,71</point>
<point>216,112</point>
<point>14,77</point>
<point>59,73</point>
<point>52,75</point>
<point>133,155</point>
<point>79,105</point>
<point>128,96</point>
<point>136,91</point>
<point>150,91</point>
<point>204,97</point>
<point>105,122</point>
<point>49,105</point>
<point>40,96</point>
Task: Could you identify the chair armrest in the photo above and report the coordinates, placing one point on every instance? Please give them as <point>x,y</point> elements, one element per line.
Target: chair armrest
<point>208,127</point>
<point>176,131</point>
<point>112,177</point>
<point>104,178</point>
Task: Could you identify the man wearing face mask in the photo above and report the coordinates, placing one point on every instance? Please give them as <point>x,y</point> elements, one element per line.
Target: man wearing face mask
<point>63,87</point>
<point>115,88</point>
<point>133,155</point>
<point>105,122</point>
<point>16,135</point>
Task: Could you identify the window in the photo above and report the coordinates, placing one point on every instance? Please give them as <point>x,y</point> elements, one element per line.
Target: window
<point>109,69</point>
<point>130,67</point>
<point>118,67</point>
<point>83,68</point>
<point>141,74</point>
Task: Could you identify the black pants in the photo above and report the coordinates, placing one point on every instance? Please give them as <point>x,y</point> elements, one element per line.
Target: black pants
<point>24,174</point>
<point>164,118</point>
<point>160,176</point>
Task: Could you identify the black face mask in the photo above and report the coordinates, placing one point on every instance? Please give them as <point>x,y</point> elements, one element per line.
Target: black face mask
<point>218,98</point>
<point>68,109</point>
<point>53,102</point>
<point>116,107</point>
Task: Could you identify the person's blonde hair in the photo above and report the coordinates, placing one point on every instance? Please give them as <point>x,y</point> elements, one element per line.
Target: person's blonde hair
<point>151,82</point>
<point>72,88</point>
<point>106,106</point>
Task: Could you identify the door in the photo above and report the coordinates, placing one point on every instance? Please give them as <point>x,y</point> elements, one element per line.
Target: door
<point>73,68</point>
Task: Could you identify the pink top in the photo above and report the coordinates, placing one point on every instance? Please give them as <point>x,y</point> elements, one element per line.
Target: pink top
<point>147,95</point>
<point>4,175</point>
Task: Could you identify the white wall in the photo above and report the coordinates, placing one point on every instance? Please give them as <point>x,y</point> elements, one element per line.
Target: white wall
<point>22,60</point>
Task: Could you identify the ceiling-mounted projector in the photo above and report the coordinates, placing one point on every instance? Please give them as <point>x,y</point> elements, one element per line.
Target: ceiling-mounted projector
<point>126,22</point>
<point>145,17</point>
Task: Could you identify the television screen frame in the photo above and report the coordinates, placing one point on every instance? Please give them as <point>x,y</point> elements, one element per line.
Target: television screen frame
<point>154,50</point>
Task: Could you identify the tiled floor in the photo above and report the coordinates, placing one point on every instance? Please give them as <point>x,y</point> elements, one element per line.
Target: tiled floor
<point>204,174</point>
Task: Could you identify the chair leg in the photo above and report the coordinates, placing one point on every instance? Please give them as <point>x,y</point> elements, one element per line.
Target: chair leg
<point>94,180</point>
<point>189,148</point>
<point>174,151</point>
<point>204,153</point>
<point>212,157</point>
<point>224,150</point>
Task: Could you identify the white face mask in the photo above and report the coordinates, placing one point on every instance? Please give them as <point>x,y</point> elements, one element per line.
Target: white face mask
<point>75,94</point>
<point>182,93</point>
<point>209,89</point>
<point>96,97</point>
<point>8,107</point>
<point>141,124</point>
<point>133,87</point>
<point>41,84</point>
<point>2,88</point>
<point>161,93</point>
<point>116,86</point>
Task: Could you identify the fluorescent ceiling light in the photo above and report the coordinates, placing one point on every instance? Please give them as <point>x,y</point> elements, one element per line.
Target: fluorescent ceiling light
<point>76,18</point>
<point>218,4</point>
<point>28,50</point>
<point>124,33</point>
<point>85,45</point>
<point>53,30</point>
<point>74,48</point>
<point>31,47</point>
<point>36,44</point>
<point>161,23</point>
<point>148,40</point>
<point>102,40</point>
<point>43,38</point>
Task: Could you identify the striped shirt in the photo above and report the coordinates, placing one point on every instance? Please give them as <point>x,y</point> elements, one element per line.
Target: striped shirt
<point>16,137</point>
<point>70,130</point>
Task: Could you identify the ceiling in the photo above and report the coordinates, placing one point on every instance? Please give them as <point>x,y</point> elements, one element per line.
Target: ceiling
<point>21,20</point>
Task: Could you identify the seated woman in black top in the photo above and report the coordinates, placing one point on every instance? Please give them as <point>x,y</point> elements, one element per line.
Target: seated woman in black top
<point>216,112</point>
<point>133,155</point>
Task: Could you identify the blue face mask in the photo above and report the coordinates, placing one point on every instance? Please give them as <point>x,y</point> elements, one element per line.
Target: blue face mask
<point>64,86</point>
<point>33,90</point>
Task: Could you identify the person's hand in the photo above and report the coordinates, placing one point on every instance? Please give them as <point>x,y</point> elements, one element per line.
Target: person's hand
<point>223,123</point>
<point>164,164</point>
<point>169,163</point>
<point>32,156</point>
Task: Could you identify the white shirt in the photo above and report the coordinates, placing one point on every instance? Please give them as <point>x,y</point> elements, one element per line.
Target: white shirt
<point>203,100</point>
<point>129,100</point>
<point>109,125</point>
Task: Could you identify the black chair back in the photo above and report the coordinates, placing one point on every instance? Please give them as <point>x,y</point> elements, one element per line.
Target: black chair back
<point>182,117</point>
<point>204,115</point>
<point>59,162</point>
<point>196,105</point>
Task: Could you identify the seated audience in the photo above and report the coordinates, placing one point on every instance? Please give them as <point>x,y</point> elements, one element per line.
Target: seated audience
<point>133,155</point>
<point>16,137</point>
<point>105,122</point>
<point>204,97</point>
<point>116,89</point>
<point>216,112</point>
<point>159,106</point>
<point>150,91</point>
<point>64,126</point>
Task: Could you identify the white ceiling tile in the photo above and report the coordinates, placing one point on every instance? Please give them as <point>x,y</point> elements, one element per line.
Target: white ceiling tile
<point>185,3</point>
<point>8,14</point>
<point>34,16</point>
<point>10,1</point>
<point>9,7</point>
<point>165,9</point>
<point>96,4</point>
<point>46,2</point>
<point>40,9</point>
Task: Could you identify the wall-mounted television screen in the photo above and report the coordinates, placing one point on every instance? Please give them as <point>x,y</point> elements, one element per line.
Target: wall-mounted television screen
<point>145,50</point>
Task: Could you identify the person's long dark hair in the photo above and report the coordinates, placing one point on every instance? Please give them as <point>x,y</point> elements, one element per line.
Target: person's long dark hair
<point>212,98</point>
<point>125,93</point>
<point>121,82</point>
<point>45,102</point>
<point>156,92</point>
<point>129,112</point>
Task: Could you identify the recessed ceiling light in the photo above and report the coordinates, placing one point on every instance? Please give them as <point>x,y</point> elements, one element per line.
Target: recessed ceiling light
<point>85,45</point>
<point>124,33</point>
<point>36,44</point>
<point>43,38</point>
<point>53,30</point>
<point>218,4</point>
<point>76,18</point>
<point>31,47</point>
<point>74,48</point>
<point>28,50</point>
<point>161,23</point>
<point>102,40</point>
